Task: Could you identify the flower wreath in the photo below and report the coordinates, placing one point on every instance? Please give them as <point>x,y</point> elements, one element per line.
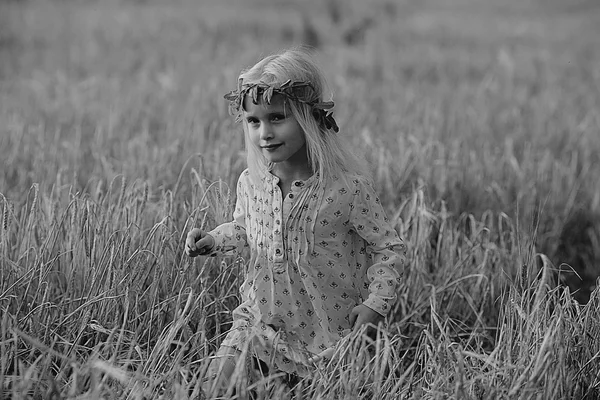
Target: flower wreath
<point>293,90</point>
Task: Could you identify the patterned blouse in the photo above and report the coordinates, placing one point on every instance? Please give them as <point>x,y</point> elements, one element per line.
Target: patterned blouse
<point>314,255</point>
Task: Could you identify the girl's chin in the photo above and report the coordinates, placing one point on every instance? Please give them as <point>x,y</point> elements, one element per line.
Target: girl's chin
<point>273,157</point>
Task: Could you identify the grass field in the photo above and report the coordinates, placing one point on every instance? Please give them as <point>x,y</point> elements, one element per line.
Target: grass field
<point>482,125</point>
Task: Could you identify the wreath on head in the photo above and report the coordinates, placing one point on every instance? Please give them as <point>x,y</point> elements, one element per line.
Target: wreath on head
<point>293,90</point>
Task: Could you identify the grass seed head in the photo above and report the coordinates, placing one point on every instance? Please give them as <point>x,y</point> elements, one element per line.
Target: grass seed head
<point>5,217</point>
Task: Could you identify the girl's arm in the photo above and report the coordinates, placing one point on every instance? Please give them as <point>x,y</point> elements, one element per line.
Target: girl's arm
<point>230,237</point>
<point>384,245</point>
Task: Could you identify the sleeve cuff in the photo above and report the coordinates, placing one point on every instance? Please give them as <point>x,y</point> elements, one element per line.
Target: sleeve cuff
<point>378,304</point>
<point>216,249</point>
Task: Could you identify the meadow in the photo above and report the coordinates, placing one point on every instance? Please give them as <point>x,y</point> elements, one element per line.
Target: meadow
<point>481,121</point>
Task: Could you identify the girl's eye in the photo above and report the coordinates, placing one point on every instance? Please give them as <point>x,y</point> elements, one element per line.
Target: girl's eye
<point>252,121</point>
<point>277,117</point>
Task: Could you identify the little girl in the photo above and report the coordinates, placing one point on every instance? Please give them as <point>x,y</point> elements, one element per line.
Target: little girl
<point>324,259</point>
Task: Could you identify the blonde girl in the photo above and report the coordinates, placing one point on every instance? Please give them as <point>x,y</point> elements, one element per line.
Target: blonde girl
<point>324,259</point>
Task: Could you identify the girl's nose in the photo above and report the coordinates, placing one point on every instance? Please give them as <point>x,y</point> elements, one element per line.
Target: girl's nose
<point>266,132</point>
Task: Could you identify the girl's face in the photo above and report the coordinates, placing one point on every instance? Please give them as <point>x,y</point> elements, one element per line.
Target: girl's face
<point>273,129</point>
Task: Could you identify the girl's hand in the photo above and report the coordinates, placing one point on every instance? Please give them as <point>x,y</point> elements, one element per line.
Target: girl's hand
<point>361,315</point>
<point>198,243</point>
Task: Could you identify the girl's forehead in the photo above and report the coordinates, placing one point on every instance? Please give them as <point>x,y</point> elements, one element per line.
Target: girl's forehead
<point>278,103</point>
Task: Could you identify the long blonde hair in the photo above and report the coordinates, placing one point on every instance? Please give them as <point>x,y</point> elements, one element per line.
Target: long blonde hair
<point>329,154</point>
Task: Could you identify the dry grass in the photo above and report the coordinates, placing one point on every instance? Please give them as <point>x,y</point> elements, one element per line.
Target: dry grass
<point>481,123</point>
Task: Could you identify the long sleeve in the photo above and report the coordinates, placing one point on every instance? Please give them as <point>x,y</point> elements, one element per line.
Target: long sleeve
<point>387,250</point>
<point>230,237</point>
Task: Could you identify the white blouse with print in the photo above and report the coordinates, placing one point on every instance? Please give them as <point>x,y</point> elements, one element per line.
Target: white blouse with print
<point>314,255</point>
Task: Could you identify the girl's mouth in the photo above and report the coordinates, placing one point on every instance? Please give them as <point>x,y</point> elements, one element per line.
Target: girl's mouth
<point>271,147</point>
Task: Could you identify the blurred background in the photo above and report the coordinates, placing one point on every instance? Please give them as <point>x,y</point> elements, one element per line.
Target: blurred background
<point>487,106</point>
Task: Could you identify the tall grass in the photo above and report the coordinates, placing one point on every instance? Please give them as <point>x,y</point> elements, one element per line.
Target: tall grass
<point>480,122</point>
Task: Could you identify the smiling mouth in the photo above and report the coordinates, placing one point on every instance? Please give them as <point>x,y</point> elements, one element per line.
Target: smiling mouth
<point>271,147</point>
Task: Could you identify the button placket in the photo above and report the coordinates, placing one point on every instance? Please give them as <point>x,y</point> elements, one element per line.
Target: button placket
<point>278,253</point>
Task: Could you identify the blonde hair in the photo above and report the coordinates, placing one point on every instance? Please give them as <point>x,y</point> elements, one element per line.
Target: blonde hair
<point>329,154</point>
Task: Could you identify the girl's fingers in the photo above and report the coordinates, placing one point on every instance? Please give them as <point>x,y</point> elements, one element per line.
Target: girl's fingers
<point>198,243</point>
<point>352,318</point>
<point>202,245</point>
<point>188,251</point>
<point>191,246</point>
<point>190,240</point>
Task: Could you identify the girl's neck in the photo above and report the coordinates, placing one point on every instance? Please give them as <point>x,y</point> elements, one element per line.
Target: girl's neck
<point>291,172</point>
<point>296,167</point>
